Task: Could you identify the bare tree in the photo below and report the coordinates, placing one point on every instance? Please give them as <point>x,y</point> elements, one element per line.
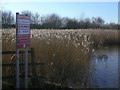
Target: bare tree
<point>72,24</point>
<point>86,23</point>
<point>64,22</point>
<point>7,19</point>
<point>52,21</point>
<point>97,22</point>
<point>36,18</point>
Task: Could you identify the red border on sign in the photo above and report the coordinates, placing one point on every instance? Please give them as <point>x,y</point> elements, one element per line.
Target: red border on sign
<point>22,38</point>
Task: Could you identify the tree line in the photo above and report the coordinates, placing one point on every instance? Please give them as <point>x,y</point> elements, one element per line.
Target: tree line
<point>54,21</point>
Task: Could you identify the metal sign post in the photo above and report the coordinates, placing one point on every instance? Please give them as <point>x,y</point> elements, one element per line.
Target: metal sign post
<point>22,41</point>
<point>17,68</point>
<point>17,55</point>
<point>26,67</point>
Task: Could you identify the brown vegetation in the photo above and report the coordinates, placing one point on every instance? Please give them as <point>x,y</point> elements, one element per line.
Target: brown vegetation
<point>65,52</point>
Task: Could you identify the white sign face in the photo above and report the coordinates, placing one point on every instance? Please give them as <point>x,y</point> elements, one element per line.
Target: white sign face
<point>22,21</point>
<point>23,31</point>
<point>23,27</point>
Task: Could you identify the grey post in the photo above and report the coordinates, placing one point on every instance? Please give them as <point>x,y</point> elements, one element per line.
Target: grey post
<point>26,66</point>
<point>17,56</point>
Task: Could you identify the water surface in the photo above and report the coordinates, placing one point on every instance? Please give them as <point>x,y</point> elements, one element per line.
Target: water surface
<point>104,68</point>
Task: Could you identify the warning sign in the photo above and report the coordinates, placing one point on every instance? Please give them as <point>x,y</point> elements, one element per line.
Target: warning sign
<point>23,31</point>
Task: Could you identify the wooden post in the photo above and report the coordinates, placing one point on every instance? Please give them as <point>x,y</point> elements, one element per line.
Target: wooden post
<point>33,66</point>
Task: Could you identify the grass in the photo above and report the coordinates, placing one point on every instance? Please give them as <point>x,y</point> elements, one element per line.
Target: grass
<point>105,37</point>
<point>66,52</point>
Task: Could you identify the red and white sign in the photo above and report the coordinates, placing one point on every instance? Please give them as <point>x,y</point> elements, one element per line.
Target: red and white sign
<point>23,31</point>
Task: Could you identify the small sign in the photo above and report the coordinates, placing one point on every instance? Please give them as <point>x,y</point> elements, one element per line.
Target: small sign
<point>23,31</point>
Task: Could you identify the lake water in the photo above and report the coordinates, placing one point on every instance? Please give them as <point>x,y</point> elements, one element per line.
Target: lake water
<point>104,68</point>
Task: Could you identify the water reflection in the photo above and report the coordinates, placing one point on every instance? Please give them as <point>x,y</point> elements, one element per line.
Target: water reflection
<point>104,68</point>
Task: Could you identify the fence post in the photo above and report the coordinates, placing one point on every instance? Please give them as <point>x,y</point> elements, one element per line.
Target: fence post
<point>33,66</point>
